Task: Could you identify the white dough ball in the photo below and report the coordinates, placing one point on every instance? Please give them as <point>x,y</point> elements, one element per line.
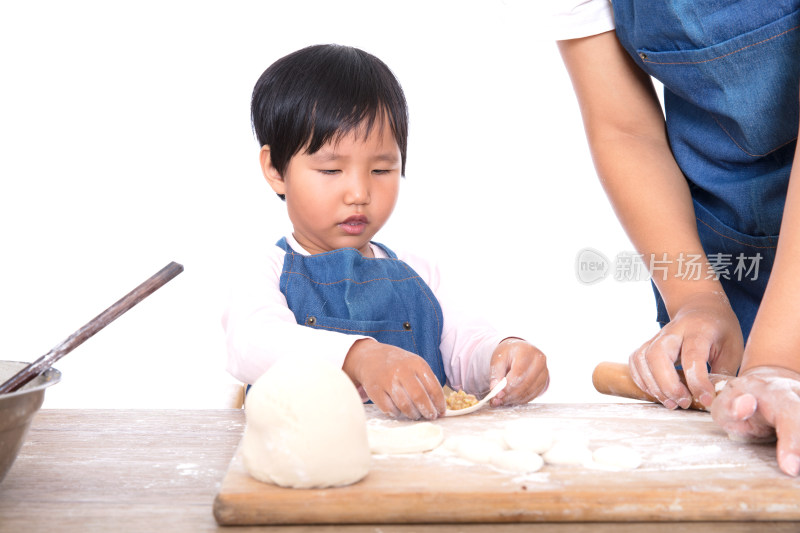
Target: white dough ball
<point>617,457</point>
<point>568,452</point>
<point>522,461</point>
<point>531,435</point>
<point>306,427</point>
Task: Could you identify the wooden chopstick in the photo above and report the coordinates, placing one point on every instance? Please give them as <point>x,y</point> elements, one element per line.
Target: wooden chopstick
<point>152,284</point>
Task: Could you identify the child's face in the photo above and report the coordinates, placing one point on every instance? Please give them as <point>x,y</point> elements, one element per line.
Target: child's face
<point>340,196</point>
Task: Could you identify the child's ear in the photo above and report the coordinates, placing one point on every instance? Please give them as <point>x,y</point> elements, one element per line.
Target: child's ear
<point>270,172</point>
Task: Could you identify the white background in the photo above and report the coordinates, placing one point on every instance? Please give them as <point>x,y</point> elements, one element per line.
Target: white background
<point>126,144</point>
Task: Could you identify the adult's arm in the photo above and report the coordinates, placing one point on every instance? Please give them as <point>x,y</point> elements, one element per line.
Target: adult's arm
<point>626,131</point>
<point>765,400</point>
<point>775,337</point>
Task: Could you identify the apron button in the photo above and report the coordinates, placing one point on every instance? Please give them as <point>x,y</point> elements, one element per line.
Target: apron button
<point>310,321</point>
<point>406,326</point>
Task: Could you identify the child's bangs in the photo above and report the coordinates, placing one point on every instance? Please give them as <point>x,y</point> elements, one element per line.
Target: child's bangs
<point>330,127</point>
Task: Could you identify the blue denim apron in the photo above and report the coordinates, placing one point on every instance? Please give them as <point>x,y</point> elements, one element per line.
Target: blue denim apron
<point>730,71</point>
<point>384,299</point>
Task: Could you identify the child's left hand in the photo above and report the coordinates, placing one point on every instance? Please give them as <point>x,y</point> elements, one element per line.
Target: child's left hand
<point>525,368</point>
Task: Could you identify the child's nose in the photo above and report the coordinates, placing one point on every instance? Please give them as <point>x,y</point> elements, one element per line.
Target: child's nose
<point>357,191</point>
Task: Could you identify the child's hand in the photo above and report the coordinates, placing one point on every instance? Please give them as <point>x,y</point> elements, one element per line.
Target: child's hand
<point>397,381</point>
<point>525,368</point>
<point>704,330</point>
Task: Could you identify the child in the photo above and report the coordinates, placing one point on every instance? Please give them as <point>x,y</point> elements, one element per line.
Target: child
<point>332,124</point>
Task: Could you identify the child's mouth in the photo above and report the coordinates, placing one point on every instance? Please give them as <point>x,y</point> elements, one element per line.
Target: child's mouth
<point>354,225</point>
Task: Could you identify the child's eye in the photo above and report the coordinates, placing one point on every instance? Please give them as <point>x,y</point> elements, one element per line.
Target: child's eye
<point>380,171</point>
<point>329,171</point>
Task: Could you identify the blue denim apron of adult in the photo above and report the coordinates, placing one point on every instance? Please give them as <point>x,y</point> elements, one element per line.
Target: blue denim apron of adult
<point>730,72</point>
<point>384,299</point>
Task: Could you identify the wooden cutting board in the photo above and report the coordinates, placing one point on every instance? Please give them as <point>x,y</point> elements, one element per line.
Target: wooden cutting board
<point>690,471</point>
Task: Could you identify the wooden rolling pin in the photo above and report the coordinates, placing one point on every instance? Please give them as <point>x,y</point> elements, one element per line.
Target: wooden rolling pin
<point>615,379</point>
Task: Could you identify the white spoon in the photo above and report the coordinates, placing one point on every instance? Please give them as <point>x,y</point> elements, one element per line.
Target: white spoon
<point>472,408</point>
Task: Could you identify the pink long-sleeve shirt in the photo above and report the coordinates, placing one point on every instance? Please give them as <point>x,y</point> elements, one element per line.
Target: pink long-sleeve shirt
<point>260,328</point>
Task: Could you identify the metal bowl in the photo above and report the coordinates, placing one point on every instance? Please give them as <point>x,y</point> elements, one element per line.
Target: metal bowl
<point>17,410</point>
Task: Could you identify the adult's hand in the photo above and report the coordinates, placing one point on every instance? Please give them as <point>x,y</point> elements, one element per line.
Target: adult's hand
<point>761,404</point>
<point>704,331</point>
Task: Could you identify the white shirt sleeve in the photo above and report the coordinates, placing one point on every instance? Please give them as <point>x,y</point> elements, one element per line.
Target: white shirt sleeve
<point>581,18</point>
<point>260,328</point>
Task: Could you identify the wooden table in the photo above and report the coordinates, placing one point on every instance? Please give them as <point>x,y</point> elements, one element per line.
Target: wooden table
<point>150,470</point>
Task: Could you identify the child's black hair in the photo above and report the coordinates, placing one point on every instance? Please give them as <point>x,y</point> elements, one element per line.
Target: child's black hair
<point>318,94</point>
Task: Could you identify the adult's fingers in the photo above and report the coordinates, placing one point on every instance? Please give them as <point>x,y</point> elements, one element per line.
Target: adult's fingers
<point>641,363</point>
<point>746,417</point>
<point>787,427</point>
<point>661,356</point>
<point>736,411</point>
<point>728,362</point>
<point>695,353</point>
<point>633,366</point>
<point>640,371</point>
<point>771,403</point>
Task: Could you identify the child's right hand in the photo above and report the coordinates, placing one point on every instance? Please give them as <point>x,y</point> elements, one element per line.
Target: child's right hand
<point>396,380</point>
<point>703,331</point>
